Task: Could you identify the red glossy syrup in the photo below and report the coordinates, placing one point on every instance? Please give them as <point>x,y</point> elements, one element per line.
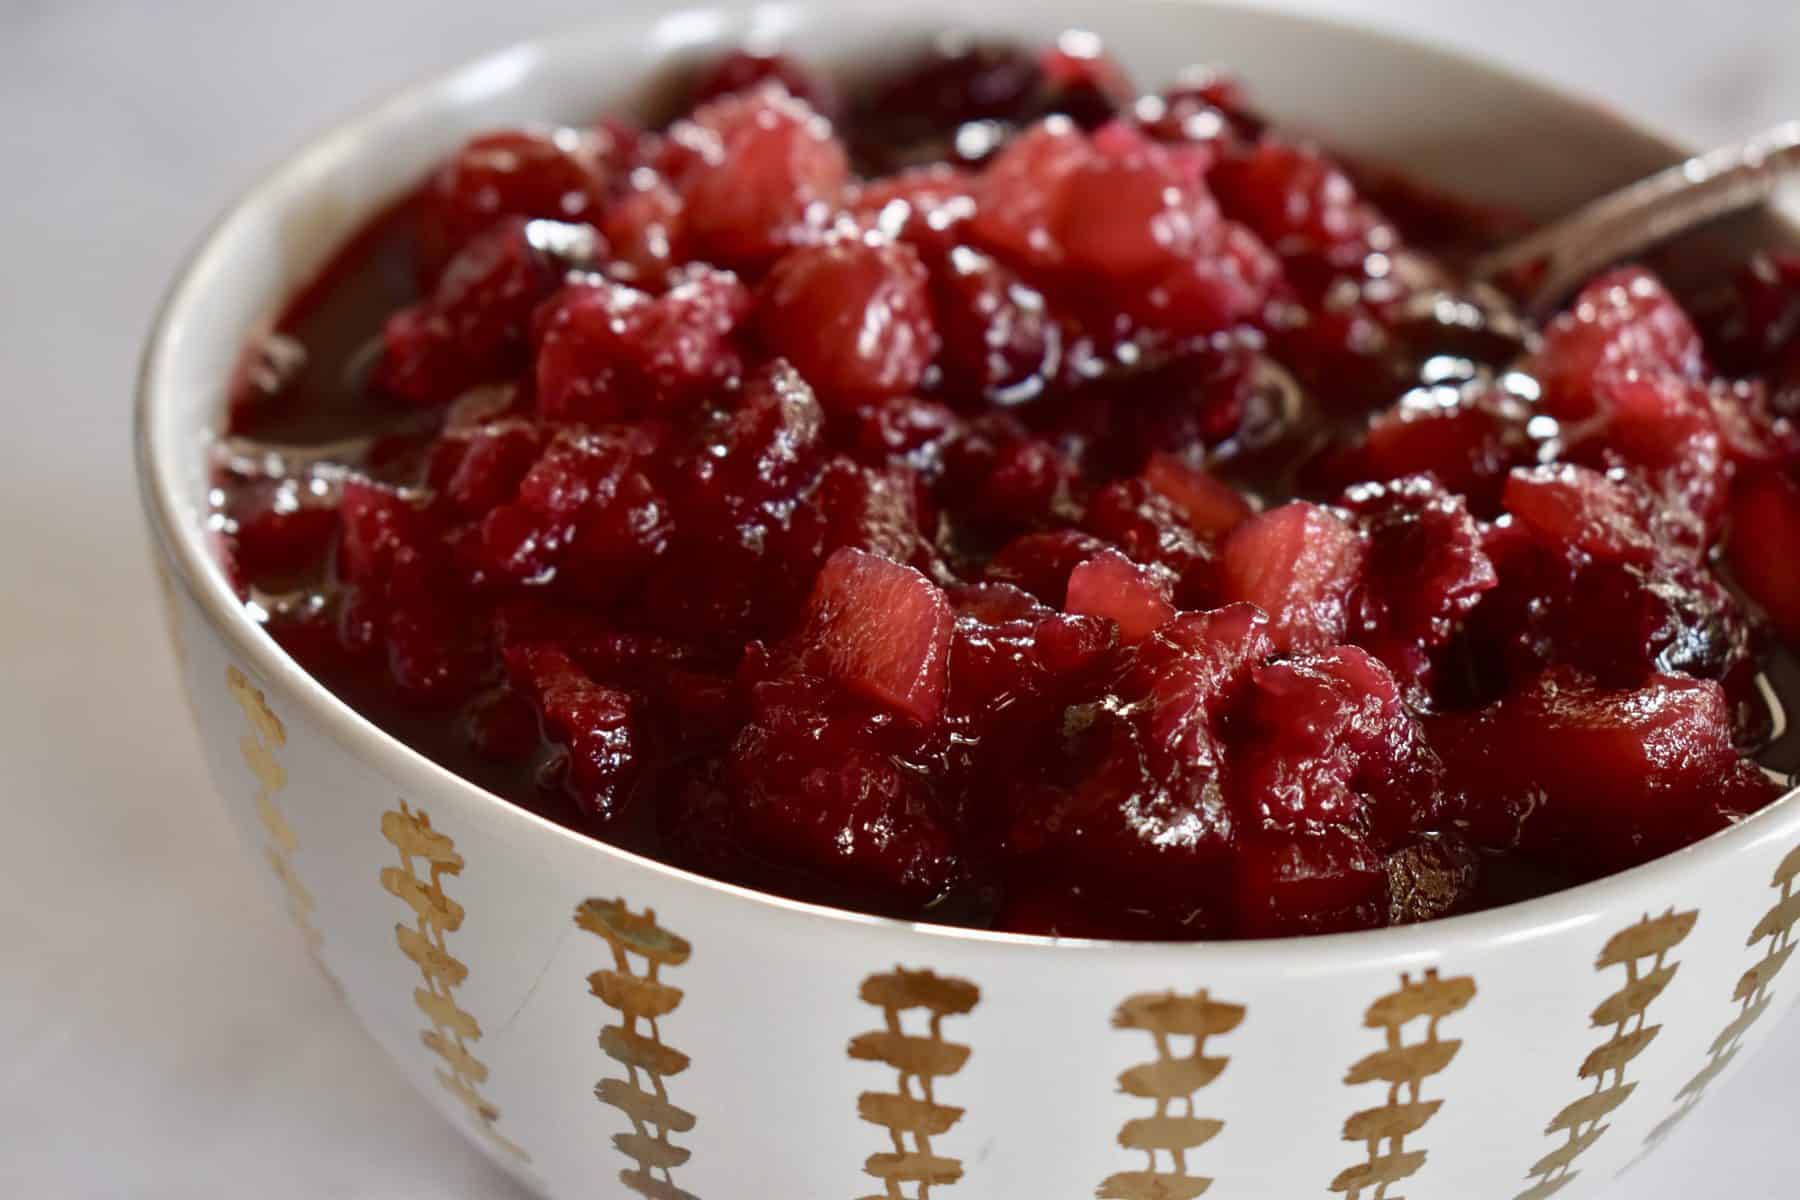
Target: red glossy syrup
<point>987,495</point>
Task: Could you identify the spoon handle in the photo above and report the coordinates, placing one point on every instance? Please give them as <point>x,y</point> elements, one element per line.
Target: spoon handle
<point>1548,264</point>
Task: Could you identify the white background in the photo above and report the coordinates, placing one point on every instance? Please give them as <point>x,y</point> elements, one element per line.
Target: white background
<point>162,1034</point>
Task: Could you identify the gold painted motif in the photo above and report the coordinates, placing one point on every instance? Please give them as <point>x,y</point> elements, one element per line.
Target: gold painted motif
<point>1170,1079</point>
<point>257,749</point>
<point>426,943</point>
<point>1404,1067</point>
<point>642,999</point>
<point>1752,993</point>
<point>912,1113</point>
<point>1643,950</point>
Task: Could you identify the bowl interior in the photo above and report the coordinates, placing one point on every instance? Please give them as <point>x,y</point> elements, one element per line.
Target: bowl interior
<point>1448,120</point>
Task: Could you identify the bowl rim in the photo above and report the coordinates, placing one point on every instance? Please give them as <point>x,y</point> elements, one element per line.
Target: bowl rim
<point>183,543</point>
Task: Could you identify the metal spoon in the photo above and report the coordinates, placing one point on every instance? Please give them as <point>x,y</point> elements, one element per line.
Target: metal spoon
<point>1548,264</point>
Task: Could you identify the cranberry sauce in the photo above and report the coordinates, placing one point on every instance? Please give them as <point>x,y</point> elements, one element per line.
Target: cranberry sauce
<point>992,495</point>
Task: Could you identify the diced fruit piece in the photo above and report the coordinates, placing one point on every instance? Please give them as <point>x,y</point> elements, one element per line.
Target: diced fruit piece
<point>882,630</point>
<point>1112,586</point>
<point>853,316</point>
<point>1019,197</point>
<point>1578,507</point>
<point>1130,209</point>
<point>479,467</point>
<point>1764,550</point>
<point>769,176</point>
<point>1298,563</point>
<point>1226,282</point>
<point>1594,779</point>
<point>1213,508</point>
<point>1625,318</point>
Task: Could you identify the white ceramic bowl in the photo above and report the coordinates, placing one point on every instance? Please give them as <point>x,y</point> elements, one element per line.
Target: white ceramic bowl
<point>589,1017</point>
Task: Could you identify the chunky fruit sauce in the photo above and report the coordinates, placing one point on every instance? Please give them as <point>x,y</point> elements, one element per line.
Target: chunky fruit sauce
<point>989,495</point>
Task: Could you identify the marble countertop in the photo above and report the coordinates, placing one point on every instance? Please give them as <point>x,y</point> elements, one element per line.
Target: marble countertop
<point>162,1034</point>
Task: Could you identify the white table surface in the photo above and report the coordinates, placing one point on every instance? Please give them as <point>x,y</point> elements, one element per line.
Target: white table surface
<point>162,1034</point>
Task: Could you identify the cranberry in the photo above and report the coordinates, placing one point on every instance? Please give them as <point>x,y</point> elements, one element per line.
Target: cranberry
<point>1425,571</point>
<point>1000,341</point>
<point>816,787</point>
<point>641,225</point>
<point>1588,577</point>
<point>1003,477</point>
<point>280,530</point>
<point>1084,81</point>
<point>585,510</point>
<point>1298,202</point>
<point>743,70</point>
<point>1040,563</point>
<point>1327,741</point>
<point>958,81</point>
<point>472,329</point>
<point>916,113</point>
<point>1468,445</point>
<point>1136,817</point>
<point>557,174</point>
<point>598,726</point>
<point>1150,528</point>
<point>608,352</point>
